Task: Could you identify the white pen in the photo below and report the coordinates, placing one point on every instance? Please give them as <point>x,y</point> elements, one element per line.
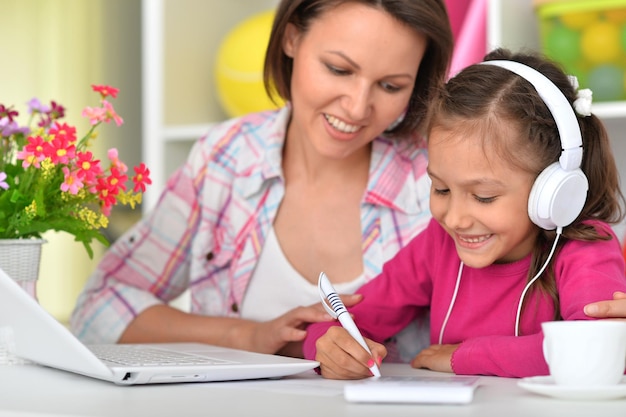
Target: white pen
<point>335,307</point>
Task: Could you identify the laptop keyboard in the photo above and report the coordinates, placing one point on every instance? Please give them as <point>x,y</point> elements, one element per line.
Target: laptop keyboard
<point>133,355</point>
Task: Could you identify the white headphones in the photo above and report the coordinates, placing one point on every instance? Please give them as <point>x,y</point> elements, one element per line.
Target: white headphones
<point>560,191</point>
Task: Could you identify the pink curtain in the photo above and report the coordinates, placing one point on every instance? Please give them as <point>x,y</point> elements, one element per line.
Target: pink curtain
<point>469,26</point>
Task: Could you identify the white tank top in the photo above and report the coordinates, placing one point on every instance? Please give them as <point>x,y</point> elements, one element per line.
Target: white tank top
<point>276,287</point>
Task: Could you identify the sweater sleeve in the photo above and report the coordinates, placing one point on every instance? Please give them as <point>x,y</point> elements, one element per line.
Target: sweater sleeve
<point>506,356</point>
<point>585,272</point>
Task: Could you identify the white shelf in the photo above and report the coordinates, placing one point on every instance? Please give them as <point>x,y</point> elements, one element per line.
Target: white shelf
<point>512,24</point>
<point>184,133</point>
<point>180,39</point>
<point>609,110</point>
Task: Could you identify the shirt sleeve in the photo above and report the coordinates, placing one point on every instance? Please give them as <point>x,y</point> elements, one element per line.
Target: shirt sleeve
<point>585,272</point>
<point>146,266</point>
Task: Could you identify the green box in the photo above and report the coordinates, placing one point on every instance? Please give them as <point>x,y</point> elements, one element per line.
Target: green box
<point>588,38</point>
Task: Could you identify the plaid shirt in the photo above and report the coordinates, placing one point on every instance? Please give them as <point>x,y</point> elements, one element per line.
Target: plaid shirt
<point>209,226</point>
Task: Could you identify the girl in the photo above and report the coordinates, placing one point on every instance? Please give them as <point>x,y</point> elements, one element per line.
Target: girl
<point>516,238</point>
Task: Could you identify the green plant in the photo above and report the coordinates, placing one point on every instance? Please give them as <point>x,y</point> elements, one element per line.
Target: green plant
<point>50,180</point>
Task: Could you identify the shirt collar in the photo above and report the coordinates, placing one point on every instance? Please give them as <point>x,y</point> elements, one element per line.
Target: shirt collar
<point>395,167</point>
<point>262,163</point>
<point>397,175</point>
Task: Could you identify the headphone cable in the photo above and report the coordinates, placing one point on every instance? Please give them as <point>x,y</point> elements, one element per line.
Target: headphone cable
<point>559,230</point>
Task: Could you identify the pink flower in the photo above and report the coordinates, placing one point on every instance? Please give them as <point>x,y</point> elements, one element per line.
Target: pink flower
<point>71,183</point>
<point>94,114</point>
<point>111,114</point>
<point>33,152</point>
<point>115,161</point>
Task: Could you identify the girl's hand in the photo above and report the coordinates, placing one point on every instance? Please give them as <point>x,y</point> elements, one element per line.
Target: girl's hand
<point>607,309</point>
<point>435,357</point>
<point>284,334</point>
<point>341,357</point>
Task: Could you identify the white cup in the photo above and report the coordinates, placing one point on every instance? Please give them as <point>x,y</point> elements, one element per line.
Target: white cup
<point>585,352</point>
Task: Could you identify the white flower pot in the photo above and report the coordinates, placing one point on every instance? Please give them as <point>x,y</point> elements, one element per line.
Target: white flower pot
<point>20,259</point>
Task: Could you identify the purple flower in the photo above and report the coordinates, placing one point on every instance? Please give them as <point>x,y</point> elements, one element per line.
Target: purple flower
<point>35,106</point>
<point>3,183</point>
<point>10,127</point>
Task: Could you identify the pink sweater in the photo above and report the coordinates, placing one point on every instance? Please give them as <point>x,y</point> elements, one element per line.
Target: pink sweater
<point>423,275</point>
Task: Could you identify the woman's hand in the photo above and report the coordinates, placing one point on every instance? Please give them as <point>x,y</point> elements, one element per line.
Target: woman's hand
<point>342,357</point>
<point>435,357</point>
<point>607,309</point>
<point>284,334</point>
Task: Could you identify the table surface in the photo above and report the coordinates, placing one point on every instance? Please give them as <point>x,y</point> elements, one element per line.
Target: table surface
<point>34,391</point>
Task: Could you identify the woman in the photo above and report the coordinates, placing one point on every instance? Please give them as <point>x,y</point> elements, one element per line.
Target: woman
<point>334,181</point>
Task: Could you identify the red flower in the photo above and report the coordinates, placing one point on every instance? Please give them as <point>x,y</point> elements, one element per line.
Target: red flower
<point>88,168</point>
<point>105,90</point>
<point>59,150</point>
<point>141,178</point>
<point>116,181</point>
<point>7,112</point>
<point>56,111</point>
<point>63,131</point>
<point>106,196</point>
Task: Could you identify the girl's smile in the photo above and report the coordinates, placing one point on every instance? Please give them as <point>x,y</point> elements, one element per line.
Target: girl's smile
<point>472,241</point>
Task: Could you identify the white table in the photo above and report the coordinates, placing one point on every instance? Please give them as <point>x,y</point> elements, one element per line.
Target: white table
<point>33,391</point>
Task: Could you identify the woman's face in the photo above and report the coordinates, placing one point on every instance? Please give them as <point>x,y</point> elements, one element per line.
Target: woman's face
<point>353,74</point>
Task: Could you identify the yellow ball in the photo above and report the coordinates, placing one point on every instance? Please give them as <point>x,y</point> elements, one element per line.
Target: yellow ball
<point>617,15</point>
<point>600,42</point>
<point>578,20</point>
<point>239,66</point>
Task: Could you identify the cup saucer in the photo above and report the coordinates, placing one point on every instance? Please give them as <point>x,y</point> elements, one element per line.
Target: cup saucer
<point>545,385</point>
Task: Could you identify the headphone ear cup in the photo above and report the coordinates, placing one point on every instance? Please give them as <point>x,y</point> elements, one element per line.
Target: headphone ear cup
<point>557,197</point>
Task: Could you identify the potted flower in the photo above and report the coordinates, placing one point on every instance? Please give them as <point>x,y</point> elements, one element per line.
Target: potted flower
<point>50,180</point>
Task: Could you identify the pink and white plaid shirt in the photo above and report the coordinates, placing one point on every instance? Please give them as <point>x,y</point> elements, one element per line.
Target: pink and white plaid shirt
<point>210,224</point>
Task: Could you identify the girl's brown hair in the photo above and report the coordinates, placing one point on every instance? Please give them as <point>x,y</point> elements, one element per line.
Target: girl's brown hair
<point>485,96</point>
<point>428,17</point>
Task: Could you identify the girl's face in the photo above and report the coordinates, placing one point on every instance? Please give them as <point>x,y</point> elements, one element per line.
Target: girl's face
<point>480,199</point>
<point>353,74</point>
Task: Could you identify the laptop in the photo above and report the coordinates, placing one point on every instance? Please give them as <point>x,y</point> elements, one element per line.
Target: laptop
<point>40,338</point>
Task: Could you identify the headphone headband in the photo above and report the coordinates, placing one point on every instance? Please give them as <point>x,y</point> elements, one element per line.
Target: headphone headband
<point>562,111</point>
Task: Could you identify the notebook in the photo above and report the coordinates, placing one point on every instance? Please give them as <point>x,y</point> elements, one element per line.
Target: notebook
<point>40,338</point>
<point>443,389</point>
